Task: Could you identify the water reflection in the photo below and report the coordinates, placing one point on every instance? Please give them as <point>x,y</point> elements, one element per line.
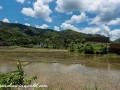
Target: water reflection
<point>7,66</point>
<point>74,76</point>
<point>71,71</point>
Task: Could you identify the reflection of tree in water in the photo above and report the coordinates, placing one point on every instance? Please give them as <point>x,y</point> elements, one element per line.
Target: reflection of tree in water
<point>81,56</point>
<point>89,57</point>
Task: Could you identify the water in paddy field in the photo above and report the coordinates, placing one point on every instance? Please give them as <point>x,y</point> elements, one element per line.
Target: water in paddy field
<point>70,71</point>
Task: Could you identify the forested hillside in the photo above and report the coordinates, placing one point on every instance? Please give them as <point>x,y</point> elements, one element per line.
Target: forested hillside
<point>117,41</point>
<point>18,34</point>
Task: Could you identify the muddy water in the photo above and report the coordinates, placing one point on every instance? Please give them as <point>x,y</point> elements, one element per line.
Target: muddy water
<point>71,71</point>
<point>74,76</point>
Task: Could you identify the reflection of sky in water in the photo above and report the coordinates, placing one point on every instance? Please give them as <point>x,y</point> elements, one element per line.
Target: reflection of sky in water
<point>7,67</point>
<point>78,74</point>
<point>74,72</point>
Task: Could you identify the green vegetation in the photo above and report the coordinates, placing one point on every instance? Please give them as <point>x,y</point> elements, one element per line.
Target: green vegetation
<point>89,48</point>
<point>27,36</point>
<point>15,78</point>
<point>21,35</point>
<point>117,41</point>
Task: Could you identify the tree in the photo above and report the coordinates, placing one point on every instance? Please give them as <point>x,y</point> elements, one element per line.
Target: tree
<point>71,47</point>
<point>88,49</point>
<point>80,48</point>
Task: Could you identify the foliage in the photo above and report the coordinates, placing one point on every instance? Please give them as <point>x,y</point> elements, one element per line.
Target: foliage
<point>15,78</point>
<point>117,41</point>
<point>21,35</point>
<point>89,48</point>
<point>80,47</point>
<point>71,47</point>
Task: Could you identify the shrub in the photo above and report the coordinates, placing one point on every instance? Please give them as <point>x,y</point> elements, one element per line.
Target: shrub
<point>16,77</point>
<point>88,49</point>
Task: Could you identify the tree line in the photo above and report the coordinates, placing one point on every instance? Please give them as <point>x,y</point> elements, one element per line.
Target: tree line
<point>89,48</point>
<point>21,35</point>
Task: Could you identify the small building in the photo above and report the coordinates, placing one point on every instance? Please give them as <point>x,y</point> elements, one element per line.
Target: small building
<point>114,48</point>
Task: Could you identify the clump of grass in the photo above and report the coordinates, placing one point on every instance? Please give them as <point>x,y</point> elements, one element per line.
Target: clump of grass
<point>95,88</point>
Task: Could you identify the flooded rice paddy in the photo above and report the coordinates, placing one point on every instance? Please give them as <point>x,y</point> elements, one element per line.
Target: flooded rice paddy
<point>60,69</point>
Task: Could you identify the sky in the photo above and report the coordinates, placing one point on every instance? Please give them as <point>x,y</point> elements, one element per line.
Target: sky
<point>86,16</point>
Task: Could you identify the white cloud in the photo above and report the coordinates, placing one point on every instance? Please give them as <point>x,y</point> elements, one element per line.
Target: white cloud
<point>47,1</point>
<point>68,5</point>
<point>93,6</point>
<point>105,13</point>
<point>56,28</point>
<point>100,29</point>
<point>69,26</point>
<point>16,22</point>
<point>115,34</point>
<point>44,26</point>
<point>77,18</point>
<point>27,24</point>
<point>0,7</point>
<point>95,20</point>
<point>105,10</point>
<point>104,18</point>
<point>6,20</point>
<point>28,12</point>
<point>77,5</point>
<point>20,1</point>
<point>103,30</point>
<point>90,30</point>
<point>114,22</point>
<point>40,10</point>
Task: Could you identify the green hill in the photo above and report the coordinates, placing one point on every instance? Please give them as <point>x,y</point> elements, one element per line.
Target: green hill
<point>18,34</point>
<point>23,28</point>
<point>117,41</point>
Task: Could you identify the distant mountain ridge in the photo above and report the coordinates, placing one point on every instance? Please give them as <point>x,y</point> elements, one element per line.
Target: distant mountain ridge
<point>117,41</point>
<point>18,34</point>
<point>22,27</point>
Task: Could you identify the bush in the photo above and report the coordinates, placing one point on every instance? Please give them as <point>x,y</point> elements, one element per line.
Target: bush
<point>88,49</point>
<point>71,47</point>
<point>80,48</point>
<point>16,77</point>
